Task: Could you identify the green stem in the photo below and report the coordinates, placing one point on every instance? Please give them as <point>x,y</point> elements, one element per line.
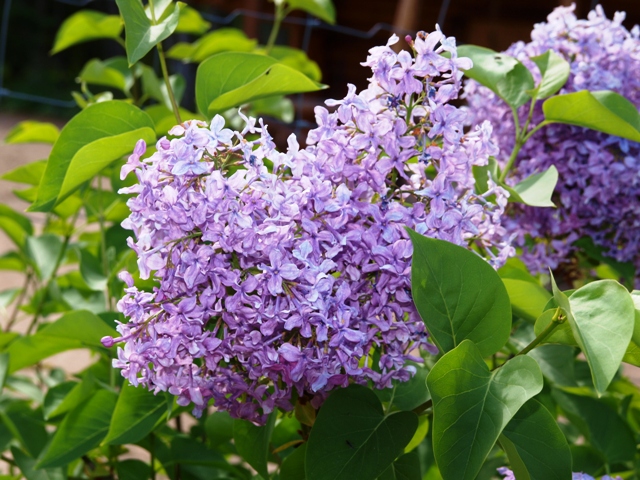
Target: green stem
<point>280,13</point>
<point>421,408</point>
<point>163,67</point>
<point>16,309</point>
<point>61,254</point>
<point>512,159</point>
<point>555,321</point>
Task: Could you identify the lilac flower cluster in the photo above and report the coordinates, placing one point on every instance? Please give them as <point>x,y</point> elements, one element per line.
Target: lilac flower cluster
<point>508,475</point>
<point>599,184</point>
<point>284,274</point>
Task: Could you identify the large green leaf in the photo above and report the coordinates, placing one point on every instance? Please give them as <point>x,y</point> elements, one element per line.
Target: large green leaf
<point>142,33</point>
<point>27,466</point>
<point>137,412</point>
<point>459,296</point>
<point>527,298</point>
<point>33,132</point>
<point>472,405</point>
<point>535,190</point>
<point>503,74</point>
<point>406,467</point>
<point>604,111</point>
<point>76,329</point>
<point>231,79</point>
<point>252,443</point>
<point>86,25</point>
<point>555,71</point>
<point>408,395</point>
<point>535,445</point>
<point>101,129</point>
<point>323,9</point>
<point>81,430</point>
<point>602,320</point>
<point>353,438</point>
<point>218,41</point>
<point>557,363</point>
<point>298,60</point>
<point>600,423</point>
<point>293,466</point>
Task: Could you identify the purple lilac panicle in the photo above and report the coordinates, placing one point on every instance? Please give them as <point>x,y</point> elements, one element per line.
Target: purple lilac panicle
<point>599,186</point>
<point>285,279</point>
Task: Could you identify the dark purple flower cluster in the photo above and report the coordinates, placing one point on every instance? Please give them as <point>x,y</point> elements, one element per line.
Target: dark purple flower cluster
<point>286,274</point>
<point>598,190</point>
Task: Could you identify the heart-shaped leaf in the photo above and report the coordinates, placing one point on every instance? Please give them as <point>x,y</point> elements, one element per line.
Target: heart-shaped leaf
<point>604,111</point>
<point>536,447</point>
<point>555,72</point>
<point>109,123</point>
<point>353,438</point>
<point>535,190</point>
<point>86,25</point>
<point>472,405</point>
<point>141,32</point>
<point>459,296</point>
<point>231,79</point>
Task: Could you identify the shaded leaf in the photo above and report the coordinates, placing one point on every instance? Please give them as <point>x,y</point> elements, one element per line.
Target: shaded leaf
<point>252,443</point>
<point>27,466</point>
<point>293,466</point>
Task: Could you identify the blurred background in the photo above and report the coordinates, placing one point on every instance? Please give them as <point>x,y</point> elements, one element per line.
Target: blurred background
<point>35,82</point>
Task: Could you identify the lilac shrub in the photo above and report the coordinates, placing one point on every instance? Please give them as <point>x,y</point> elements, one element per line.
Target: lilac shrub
<point>288,274</point>
<point>598,185</point>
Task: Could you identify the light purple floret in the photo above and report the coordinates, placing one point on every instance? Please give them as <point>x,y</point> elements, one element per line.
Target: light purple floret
<point>598,192</point>
<point>295,279</point>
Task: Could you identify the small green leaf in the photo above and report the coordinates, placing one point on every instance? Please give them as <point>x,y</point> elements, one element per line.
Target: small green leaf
<point>323,9</point>
<point>27,466</point>
<point>218,41</point>
<point>81,430</point>
<point>252,443</point>
<point>604,428</point>
<point>277,107</point>
<point>26,426</point>
<point>190,21</point>
<point>17,227</point>
<point>80,392</point>
<point>472,405</point>
<point>91,270</point>
<point>112,73</point>
<point>31,173</point>
<point>43,252</point>
<point>156,88</point>
<point>535,445</point>
<point>133,470</point>
<point>557,363</point>
<point>231,79</point>
<point>141,34</point>
<point>86,25</point>
<point>555,72</point>
<point>459,296</point>
<point>137,412</point>
<point>527,298</point>
<point>604,111</point>
<point>410,394</point>
<point>419,436</point>
<point>32,132</point>
<point>109,123</point>
<point>293,466</point>
<point>535,190</point>
<point>501,73</point>
<point>298,60</point>
<point>353,438</point>
<point>219,428</point>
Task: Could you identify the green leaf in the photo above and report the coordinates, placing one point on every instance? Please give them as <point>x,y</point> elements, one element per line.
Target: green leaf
<point>26,426</point>
<point>410,394</point>
<point>81,430</point>
<point>535,190</point>
<point>102,130</point>
<point>43,252</point>
<point>419,436</point>
<point>219,428</point>
<point>504,75</point>
<point>298,60</point>
<point>27,466</point>
<point>625,270</point>
<point>459,296</point>
<point>604,428</point>
<point>17,227</point>
<point>293,466</point>
<point>55,396</point>
<point>323,9</point>
<point>602,322</point>
<point>555,72</point>
<point>55,406</point>
<point>353,438</point>
<point>252,443</point>
<point>557,363</point>
<point>604,111</point>
<point>528,298</point>
<point>406,467</point>
<point>76,329</point>
<point>4,368</point>
<point>164,119</point>
<point>32,132</point>
<point>141,34</point>
<point>133,470</point>
<point>190,21</point>
<point>231,79</point>
<point>472,405</point>
<point>31,173</point>
<point>535,445</point>
<point>91,270</point>
<point>137,412</point>
<point>86,25</point>
<point>277,107</point>
<point>112,73</point>
<point>156,88</point>
<point>218,41</point>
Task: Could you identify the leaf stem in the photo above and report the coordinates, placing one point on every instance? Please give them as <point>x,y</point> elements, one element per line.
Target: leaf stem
<point>23,293</point>
<point>280,13</point>
<point>421,408</point>
<point>556,320</point>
